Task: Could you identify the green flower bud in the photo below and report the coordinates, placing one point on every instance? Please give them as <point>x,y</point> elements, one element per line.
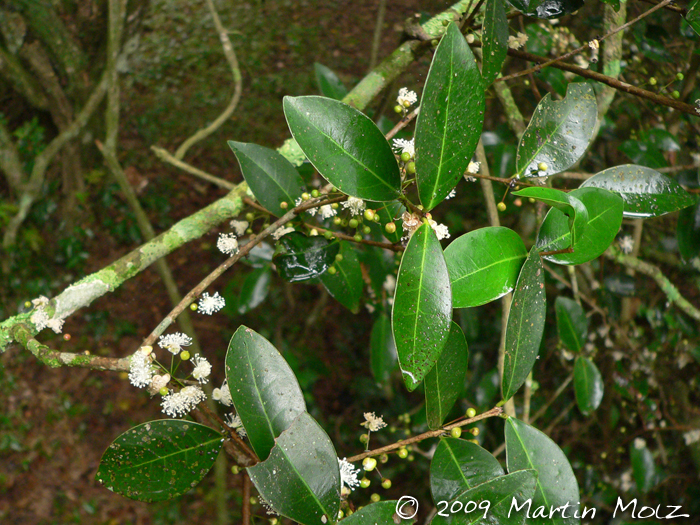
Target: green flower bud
<point>386,483</point>
<point>471,412</point>
<point>315,193</point>
<point>679,76</point>
<point>364,438</point>
<point>501,206</point>
<point>164,391</point>
<point>369,215</point>
<point>474,431</point>
<point>402,453</point>
<point>339,257</point>
<point>384,458</point>
<point>184,355</point>
<point>357,237</point>
<point>364,483</point>
<point>652,81</point>
<point>456,432</point>
<point>398,109</point>
<point>337,221</point>
<point>328,234</point>
<point>332,270</point>
<point>193,307</point>
<point>366,230</point>
<point>405,156</point>
<point>676,94</point>
<point>305,196</point>
<point>390,227</point>
<point>411,168</point>
<point>284,205</point>
<point>249,217</point>
<point>375,497</point>
<point>353,223</point>
<point>369,464</point>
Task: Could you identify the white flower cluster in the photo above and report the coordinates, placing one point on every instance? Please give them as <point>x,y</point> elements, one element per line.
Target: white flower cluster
<point>223,394</point>
<point>282,232</point>
<point>626,244</point>
<point>211,304</point>
<point>227,243</point>
<point>234,421</point>
<point>140,369</point>
<point>372,422</point>
<point>406,97</point>
<point>202,368</point>
<point>41,318</point>
<point>412,221</point>
<point>516,42</point>
<point>355,205</point>
<point>348,474</point>
<point>239,227</point>
<point>405,146</point>
<point>326,211</point>
<point>173,343</point>
<point>472,168</point>
<point>180,403</point>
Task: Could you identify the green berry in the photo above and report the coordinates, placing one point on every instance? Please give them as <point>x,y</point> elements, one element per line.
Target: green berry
<point>366,230</point>
<point>305,196</point>
<point>411,457</point>
<point>357,237</point>
<point>332,270</point>
<point>284,205</point>
<point>531,200</point>
<point>369,215</point>
<point>235,469</point>
<point>335,206</point>
<point>27,304</point>
<point>679,76</point>
<point>340,514</point>
<point>184,355</point>
<point>337,221</point>
<point>369,464</point>
<point>390,227</point>
<point>501,206</point>
<point>542,166</point>
<point>402,453</point>
<point>676,94</point>
<point>405,156</point>
<point>411,168</point>
<point>353,223</point>
<point>398,109</point>
<point>375,497</point>
<point>193,307</point>
<point>471,412</point>
<point>383,458</point>
<point>434,42</point>
<point>386,483</point>
<point>249,217</point>
<point>364,438</point>
<point>339,257</point>
<point>406,104</point>
<point>328,234</point>
<point>164,391</point>
<point>652,81</point>
<point>474,431</point>
<point>344,223</point>
<point>253,500</point>
<point>456,432</point>
<point>315,193</point>
<point>364,483</point>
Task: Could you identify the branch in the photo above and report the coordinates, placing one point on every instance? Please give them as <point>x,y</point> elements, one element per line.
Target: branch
<point>165,155</point>
<point>12,70</point>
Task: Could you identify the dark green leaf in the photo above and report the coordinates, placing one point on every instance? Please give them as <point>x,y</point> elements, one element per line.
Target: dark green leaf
<point>572,323</point>
<point>301,478</point>
<point>383,357</point>
<point>588,385</point>
<point>643,466</point>
<point>646,192</point>
<point>263,387</point>
<point>604,220</point>
<point>566,203</point>
<point>528,448</point>
<point>483,265</point>
<point>270,176</point>
<point>559,132</point>
<point>525,325</point>
<point>450,120</point>
<point>159,460</point>
<point>381,512</point>
<point>345,146</point>
<point>459,465</point>
<point>644,153</point>
<point>494,40</point>
<point>546,9</point>
<point>346,284</point>
<point>299,257</point>
<point>328,83</point>
<point>693,16</point>
<point>491,502</point>
<point>688,232</point>
<point>422,306</point>
<point>254,289</point>
<point>445,382</point>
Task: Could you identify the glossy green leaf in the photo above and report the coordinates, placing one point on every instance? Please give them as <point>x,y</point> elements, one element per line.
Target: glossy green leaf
<point>381,512</point>
<point>450,120</point>
<point>588,385</point>
<point>644,153</point>
<point>383,359</point>
<point>693,16</point>
<point>646,192</point>
<point>270,176</point>
<point>528,448</point>
<point>301,478</point>
<point>525,325</point>
<point>328,82</point>
<point>494,40</point>
<point>483,265</point>
<point>346,284</point>
<point>688,232</point>
<point>345,146</point>
<point>566,203</point>
<point>254,289</point>
<point>159,460</point>
<point>422,309</point>
<point>559,132</point>
<point>546,9</point>
<point>445,382</point>
<point>643,466</point>
<point>459,465</point>
<point>263,387</point>
<point>604,220</point>
<point>491,502</point>
<point>299,257</point>
<point>572,323</point>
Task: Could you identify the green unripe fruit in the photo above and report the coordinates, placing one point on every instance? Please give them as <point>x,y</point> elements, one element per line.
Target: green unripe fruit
<point>315,193</point>
<point>344,223</point>
<point>366,230</point>
<point>27,304</point>
<point>364,438</point>
<point>194,307</point>
<point>383,458</point>
<point>474,431</point>
<point>402,453</point>
<point>249,217</point>
<point>679,76</point>
<point>164,391</point>
<point>340,514</point>
<point>364,483</point>
<point>337,221</point>
<point>235,469</point>
<point>434,42</point>
<point>652,81</point>
<point>305,196</point>
<point>332,270</point>
<point>501,206</point>
<point>411,168</point>
<point>375,497</point>
<point>405,156</point>
<point>542,166</point>
<point>335,206</point>
<point>411,457</point>
<point>456,432</point>
<point>386,483</point>
<point>253,500</point>
<point>531,200</point>
<point>471,412</point>
<point>390,227</point>
<point>357,237</point>
<point>676,94</point>
<point>398,109</point>
<point>284,205</point>
<point>376,217</point>
<point>184,355</point>
<point>328,235</point>
<point>353,223</point>
<point>406,104</point>
<point>369,215</point>
<point>369,464</point>
<point>339,257</point>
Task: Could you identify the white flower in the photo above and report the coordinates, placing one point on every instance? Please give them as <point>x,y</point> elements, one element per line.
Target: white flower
<point>202,368</point>
<point>348,474</point>
<point>40,319</point>
<point>234,421</point>
<point>473,167</point>
<point>56,324</point>
<point>227,244</point>
<point>639,443</point>
<point>594,44</point>
<point>140,370</point>
<point>327,211</point>
<point>389,284</point>
<point>173,343</point>
<point>40,301</point>
<point>355,205</point>
<point>406,97</point>
<point>451,194</point>
<point>692,436</point>
<point>180,403</point>
<point>516,42</point>
<point>281,232</point>
<point>411,222</point>
<point>440,230</point>
<point>405,146</point>
<point>373,423</point>
<point>157,383</point>
<point>223,394</point>
<point>239,227</point>
<point>209,305</point>
<point>626,244</point>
